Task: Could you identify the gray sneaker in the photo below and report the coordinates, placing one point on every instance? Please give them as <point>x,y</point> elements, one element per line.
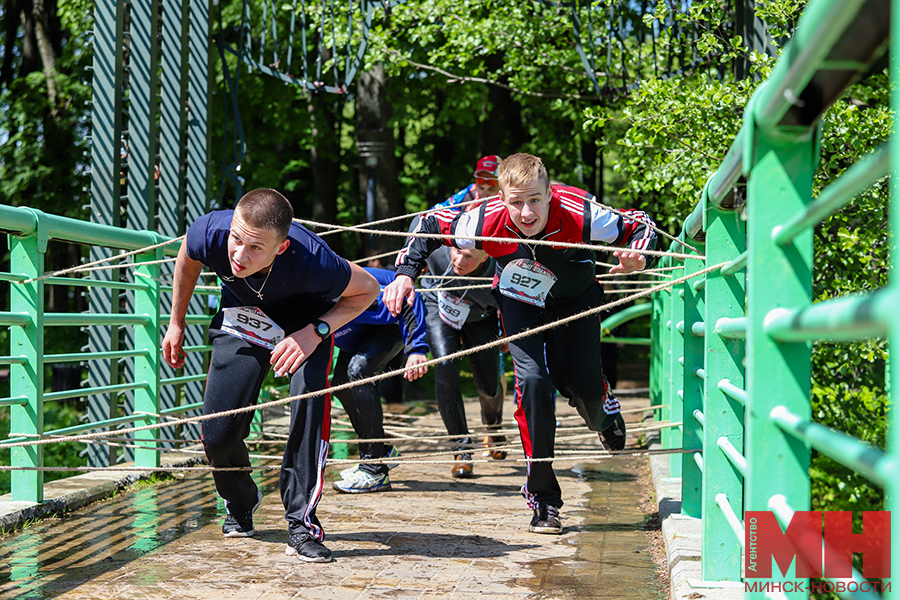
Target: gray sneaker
<point>361,482</point>
<point>240,524</point>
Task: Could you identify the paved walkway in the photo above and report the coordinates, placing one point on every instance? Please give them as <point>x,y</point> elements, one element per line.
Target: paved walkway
<point>430,537</point>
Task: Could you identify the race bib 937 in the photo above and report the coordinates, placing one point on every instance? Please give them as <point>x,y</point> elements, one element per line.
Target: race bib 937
<point>251,324</point>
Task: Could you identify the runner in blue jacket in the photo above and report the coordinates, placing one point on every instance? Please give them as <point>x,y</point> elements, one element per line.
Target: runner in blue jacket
<point>367,344</point>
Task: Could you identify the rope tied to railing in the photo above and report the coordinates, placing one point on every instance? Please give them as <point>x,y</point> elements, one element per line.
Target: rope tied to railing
<point>584,456</point>
<point>136,444</point>
<point>84,267</point>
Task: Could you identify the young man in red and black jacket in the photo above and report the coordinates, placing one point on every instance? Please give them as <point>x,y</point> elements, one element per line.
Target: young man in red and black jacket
<point>536,285</point>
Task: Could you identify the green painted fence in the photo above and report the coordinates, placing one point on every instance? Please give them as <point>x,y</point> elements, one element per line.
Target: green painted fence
<point>731,352</point>
<point>29,233</point>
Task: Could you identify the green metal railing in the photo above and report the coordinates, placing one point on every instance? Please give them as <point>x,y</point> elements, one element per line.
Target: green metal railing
<point>29,233</point>
<point>731,352</point>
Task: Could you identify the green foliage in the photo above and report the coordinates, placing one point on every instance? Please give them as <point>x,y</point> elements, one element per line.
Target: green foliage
<point>852,255</point>
<point>673,135</point>
<point>44,144</point>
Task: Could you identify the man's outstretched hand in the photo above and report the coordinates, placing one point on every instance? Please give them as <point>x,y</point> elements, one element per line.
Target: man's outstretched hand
<point>401,290</point>
<point>629,262</point>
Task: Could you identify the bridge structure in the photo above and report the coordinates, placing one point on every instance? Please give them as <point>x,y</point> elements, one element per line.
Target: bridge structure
<point>730,339</point>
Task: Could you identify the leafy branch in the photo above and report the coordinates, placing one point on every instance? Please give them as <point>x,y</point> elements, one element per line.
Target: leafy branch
<point>464,78</point>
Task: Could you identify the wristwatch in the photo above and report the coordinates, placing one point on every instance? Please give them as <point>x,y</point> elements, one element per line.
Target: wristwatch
<point>322,328</point>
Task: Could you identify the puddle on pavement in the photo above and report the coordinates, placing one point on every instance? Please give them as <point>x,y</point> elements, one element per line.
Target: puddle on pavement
<point>51,556</point>
<point>612,557</point>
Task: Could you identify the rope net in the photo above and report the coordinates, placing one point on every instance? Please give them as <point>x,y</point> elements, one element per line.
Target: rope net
<point>121,441</point>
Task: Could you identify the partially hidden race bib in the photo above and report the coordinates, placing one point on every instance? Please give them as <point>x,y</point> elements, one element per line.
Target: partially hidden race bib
<point>251,324</point>
<point>454,311</point>
<point>527,281</point>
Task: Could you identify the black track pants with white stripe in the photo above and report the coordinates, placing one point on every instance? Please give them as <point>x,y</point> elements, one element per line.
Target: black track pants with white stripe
<point>237,370</point>
<point>377,347</point>
<point>566,357</point>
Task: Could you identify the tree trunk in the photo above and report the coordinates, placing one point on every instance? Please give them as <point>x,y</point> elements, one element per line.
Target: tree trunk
<point>378,177</point>
<point>324,153</point>
<point>10,9</point>
<point>505,116</point>
<point>44,21</point>
<point>41,43</point>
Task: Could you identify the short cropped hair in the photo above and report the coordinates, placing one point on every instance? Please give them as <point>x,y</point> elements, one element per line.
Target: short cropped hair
<point>521,169</point>
<point>266,209</point>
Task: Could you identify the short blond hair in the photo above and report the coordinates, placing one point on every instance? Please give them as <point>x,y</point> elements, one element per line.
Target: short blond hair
<point>520,170</point>
<point>476,253</point>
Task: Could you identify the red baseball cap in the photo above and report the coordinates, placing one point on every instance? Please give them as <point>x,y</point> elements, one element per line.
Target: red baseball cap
<point>488,164</point>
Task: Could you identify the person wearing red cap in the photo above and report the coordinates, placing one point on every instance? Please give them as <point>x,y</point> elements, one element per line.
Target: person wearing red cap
<point>486,183</point>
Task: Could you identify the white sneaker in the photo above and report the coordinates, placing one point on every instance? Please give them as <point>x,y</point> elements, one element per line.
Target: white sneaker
<point>394,453</point>
<point>361,482</point>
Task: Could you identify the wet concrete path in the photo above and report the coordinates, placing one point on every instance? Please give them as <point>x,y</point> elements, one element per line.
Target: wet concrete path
<point>430,537</point>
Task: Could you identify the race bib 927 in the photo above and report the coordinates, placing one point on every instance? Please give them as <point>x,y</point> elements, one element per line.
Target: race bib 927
<point>251,324</point>
<point>527,281</point>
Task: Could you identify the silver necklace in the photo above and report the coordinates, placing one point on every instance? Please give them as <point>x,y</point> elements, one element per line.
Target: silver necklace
<point>259,291</point>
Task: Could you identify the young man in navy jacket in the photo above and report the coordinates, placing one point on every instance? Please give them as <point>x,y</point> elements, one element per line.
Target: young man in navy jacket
<point>278,309</point>
<point>367,344</point>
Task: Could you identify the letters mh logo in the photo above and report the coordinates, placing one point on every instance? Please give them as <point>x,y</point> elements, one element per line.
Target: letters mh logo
<point>822,542</point>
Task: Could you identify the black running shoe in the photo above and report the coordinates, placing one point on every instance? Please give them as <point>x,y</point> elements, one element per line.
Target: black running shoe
<point>613,437</point>
<point>545,520</point>
<point>240,524</point>
<point>307,548</point>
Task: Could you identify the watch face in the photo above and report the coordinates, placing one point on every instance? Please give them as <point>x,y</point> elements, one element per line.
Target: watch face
<point>323,328</point>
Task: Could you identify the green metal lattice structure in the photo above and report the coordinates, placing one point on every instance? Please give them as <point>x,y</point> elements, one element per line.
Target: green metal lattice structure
<point>149,171</point>
<point>731,350</point>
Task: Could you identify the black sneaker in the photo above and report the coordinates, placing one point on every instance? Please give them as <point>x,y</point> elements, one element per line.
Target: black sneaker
<point>613,437</point>
<point>545,520</point>
<point>307,548</point>
<point>240,524</point>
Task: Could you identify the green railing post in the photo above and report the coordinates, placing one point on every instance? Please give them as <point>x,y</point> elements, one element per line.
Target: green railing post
<point>107,107</point>
<point>692,399</point>
<point>778,373</point>
<point>892,491</point>
<point>720,552</point>
<point>676,382</point>
<point>656,350</point>
<point>147,365</point>
<point>27,379</point>
<point>665,364</point>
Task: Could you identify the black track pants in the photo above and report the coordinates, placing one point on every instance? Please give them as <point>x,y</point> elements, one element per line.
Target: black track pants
<point>236,372</point>
<point>486,370</point>
<point>572,366</point>
<point>380,344</point>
